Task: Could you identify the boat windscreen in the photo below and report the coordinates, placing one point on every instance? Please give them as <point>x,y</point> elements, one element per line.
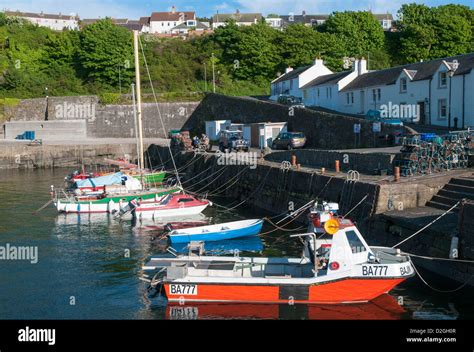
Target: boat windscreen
<point>166,200</point>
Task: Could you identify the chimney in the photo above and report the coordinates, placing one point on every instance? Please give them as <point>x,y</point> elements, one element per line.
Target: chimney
<point>304,13</point>
<point>237,12</point>
<point>173,9</point>
<point>360,66</point>
<point>288,69</point>
<point>318,62</point>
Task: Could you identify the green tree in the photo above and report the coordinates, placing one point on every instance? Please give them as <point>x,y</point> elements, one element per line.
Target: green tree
<point>360,32</point>
<point>299,45</point>
<point>106,53</point>
<point>256,53</point>
<point>428,33</point>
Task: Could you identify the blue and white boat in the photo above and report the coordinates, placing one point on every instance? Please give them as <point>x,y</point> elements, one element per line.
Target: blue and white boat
<point>218,232</point>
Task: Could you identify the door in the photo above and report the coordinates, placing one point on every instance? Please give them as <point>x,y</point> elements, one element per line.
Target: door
<point>422,112</point>
<point>254,143</point>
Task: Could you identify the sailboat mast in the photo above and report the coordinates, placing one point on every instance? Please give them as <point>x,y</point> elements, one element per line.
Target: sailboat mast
<point>136,124</point>
<point>139,100</point>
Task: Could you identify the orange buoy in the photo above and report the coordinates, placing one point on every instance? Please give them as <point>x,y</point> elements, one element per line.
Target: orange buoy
<point>331,226</point>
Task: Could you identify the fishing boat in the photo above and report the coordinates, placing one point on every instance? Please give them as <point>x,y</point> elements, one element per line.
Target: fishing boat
<point>218,232</point>
<point>105,202</point>
<point>171,206</point>
<point>113,183</point>
<point>336,267</point>
<point>146,176</point>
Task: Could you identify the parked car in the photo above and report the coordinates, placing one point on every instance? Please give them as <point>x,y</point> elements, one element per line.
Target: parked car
<point>233,140</point>
<point>289,141</point>
<point>376,116</point>
<point>292,101</point>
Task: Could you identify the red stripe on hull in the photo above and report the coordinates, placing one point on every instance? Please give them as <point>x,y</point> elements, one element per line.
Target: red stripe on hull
<point>336,292</point>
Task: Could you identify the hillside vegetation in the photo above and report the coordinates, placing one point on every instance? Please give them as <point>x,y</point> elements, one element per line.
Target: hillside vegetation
<point>98,59</point>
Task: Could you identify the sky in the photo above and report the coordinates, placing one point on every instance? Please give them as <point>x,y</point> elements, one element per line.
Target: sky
<point>133,9</point>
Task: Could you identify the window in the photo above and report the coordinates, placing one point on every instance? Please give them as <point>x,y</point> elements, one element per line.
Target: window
<point>350,98</point>
<point>355,243</point>
<point>443,80</point>
<point>329,92</point>
<point>376,94</point>
<point>442,109</point>
<point>403,85</point>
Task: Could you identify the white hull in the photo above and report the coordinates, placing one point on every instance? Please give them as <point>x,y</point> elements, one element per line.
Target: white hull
<point>144,212</point>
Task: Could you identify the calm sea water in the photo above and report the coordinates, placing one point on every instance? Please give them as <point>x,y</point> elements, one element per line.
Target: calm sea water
<point>84,272</point>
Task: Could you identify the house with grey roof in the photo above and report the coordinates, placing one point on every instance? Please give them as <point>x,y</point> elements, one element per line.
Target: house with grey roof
<point>164,22</point>
<point>56,22</point>
<point>385,20</point>
<point>291,82</point>
<point>434,92</point>
<point>241,19</point>
<point>324,90</point>
<point>185,27</point>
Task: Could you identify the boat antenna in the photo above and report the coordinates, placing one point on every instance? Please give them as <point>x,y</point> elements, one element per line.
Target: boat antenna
<point>158,109</point>
<point>139,98</point>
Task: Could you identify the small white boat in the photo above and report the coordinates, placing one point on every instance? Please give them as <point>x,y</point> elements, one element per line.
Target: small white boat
<point>218,232</point>
<point>172,206</point>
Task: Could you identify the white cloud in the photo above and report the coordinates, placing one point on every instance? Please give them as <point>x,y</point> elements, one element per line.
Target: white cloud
<point>319,7</point>
<point>85,8</point>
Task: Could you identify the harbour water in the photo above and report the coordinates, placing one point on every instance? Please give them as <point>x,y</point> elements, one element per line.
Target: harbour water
<point>89,267</point>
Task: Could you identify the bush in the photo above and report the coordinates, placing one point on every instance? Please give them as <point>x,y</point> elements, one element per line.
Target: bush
<point>109,98</point>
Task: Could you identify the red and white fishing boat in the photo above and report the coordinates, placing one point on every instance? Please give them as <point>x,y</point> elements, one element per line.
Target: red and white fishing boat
<point>337,266</point>
<point>172,206</point>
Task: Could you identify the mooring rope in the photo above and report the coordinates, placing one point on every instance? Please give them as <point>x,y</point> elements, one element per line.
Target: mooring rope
<point>430,224</point>
<point>259,188</point>
<point>436,289</point>
<point>356,206</point>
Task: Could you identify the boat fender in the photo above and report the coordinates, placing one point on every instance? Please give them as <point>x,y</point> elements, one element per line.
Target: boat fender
<point>334,266</point>
<point>111,206</point>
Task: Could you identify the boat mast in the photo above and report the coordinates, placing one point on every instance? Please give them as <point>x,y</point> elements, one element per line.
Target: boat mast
<point>136,124</point>
<point>139,100</point>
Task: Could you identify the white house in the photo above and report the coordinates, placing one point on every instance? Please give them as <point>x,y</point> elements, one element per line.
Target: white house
<point>324,91</point>
<point>385,20</point>
<point>190,25</point>
<point>291,82</point>
<point>55,22</point>
<point>164,22</point>
<point>434,92</point>
<point>241,19</point>
<point>274,22</point>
